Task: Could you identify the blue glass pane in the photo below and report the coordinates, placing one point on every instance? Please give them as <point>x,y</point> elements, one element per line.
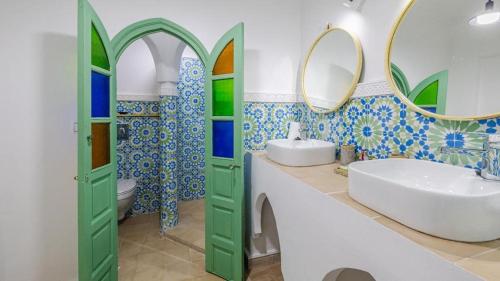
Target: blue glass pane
<point>430,109</point>
<point>100,95</point>
<point>223,135</point>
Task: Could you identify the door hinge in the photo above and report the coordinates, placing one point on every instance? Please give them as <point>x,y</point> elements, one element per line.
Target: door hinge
<point>89,140</point>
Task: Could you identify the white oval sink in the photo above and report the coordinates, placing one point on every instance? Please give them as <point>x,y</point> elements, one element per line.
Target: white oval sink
<point>301,153</point>
<point>439,199</point>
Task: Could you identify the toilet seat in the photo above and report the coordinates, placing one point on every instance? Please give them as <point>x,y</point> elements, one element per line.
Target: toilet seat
<point>126,188</point>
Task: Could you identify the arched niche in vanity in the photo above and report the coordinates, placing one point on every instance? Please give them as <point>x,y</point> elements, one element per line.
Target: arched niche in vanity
<point>348,274</point>
<point>265,238</point>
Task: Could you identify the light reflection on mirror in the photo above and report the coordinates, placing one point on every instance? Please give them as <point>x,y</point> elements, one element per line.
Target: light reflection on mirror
<point>443,64</point>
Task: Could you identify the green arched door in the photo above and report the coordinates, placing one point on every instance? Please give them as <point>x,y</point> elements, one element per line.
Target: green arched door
<point>97,214</point>
<point>224,234</point>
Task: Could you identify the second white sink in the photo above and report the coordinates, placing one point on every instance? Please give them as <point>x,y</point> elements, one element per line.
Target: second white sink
<point>438,199</point>
<point>301,153</point>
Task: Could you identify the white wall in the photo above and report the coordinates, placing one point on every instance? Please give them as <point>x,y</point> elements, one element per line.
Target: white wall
<point>272,38</point>
<point>136,71</point>
<point>38,237</point>
<point>37,146</point>
<point>372,25</point>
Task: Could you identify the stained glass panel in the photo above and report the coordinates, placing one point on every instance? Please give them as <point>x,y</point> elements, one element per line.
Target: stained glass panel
<point>100,145</point>
<point>100,95</point>
<point>429,95</point>
<point>223,139</point>
<point>223,104</point>
<point>225,61</point>
<point>99,56</point>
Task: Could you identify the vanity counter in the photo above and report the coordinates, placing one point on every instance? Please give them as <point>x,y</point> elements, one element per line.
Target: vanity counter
<point>480,259</point>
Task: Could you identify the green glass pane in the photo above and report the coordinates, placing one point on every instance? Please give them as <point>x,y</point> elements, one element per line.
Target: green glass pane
<point>429,95</point>
<point>223,104</point>
<point>99,56</point>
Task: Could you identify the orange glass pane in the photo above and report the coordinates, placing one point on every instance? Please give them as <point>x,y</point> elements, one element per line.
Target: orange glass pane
<point>225,61</point>
<point>100,145</point>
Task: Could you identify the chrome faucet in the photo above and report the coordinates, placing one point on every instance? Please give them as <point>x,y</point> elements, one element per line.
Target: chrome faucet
<point>490,167</point>
<point>303,131</point>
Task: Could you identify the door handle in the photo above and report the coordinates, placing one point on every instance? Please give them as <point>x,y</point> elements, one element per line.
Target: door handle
<point>85,178</point>
<point>232,166</point>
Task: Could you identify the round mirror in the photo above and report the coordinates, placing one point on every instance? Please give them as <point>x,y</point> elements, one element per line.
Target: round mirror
<point>443,58</point>
<point>331,70</point>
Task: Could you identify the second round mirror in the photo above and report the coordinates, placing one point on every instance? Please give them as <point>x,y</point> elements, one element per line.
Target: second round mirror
<point>332,70</point>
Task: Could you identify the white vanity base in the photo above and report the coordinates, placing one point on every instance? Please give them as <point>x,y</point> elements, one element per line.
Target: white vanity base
<point>318,235</point>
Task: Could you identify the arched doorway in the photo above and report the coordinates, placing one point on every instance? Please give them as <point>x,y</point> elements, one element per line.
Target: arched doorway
<point>97,144</point>
<point>139,29</point>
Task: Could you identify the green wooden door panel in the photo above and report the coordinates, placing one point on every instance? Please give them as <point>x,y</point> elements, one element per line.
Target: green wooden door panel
<point>224,203</point>
<point>223,183</point>
<point>97,213</point>
<point>101,195</point>
<point>223,262</point>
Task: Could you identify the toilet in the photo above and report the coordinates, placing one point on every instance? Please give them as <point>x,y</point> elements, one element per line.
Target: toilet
<point>126,196</point>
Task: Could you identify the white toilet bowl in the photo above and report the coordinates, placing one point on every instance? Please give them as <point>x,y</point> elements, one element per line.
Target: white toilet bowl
<point>126,196</point>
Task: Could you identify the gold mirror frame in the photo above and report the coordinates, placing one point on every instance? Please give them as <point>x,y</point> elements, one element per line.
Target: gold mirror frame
<point>400,95</point>
<point>356,77</point>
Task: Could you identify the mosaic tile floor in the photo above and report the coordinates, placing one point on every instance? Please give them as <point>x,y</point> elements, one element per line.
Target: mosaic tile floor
<point>144,255</point>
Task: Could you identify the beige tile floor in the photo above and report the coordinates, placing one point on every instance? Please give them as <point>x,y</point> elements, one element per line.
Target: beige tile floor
<point>145,255</point>
<point>191,228</point>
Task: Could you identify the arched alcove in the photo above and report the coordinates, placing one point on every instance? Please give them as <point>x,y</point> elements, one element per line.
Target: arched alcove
<point>348,274</point>
<point>265,240</point>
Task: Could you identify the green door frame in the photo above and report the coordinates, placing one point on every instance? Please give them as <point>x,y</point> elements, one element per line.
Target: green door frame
<point>142,28</point>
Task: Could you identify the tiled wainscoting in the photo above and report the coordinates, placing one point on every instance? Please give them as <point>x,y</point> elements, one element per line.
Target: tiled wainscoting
<point>380,124</point>
<point>383,125</point>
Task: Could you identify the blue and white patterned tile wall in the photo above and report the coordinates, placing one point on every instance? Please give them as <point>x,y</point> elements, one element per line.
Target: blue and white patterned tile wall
<point>267,121</point>
<point>383,125</point>
<point>139,157</point>
<point>169,213</point>
<point>191,129</point>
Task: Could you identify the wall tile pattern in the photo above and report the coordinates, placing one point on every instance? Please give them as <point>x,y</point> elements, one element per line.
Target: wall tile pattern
<point>139,157</point>
<point>169,214</point>
<point>267,121</point>
<point>191,130</point>
<point>383,125</point>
